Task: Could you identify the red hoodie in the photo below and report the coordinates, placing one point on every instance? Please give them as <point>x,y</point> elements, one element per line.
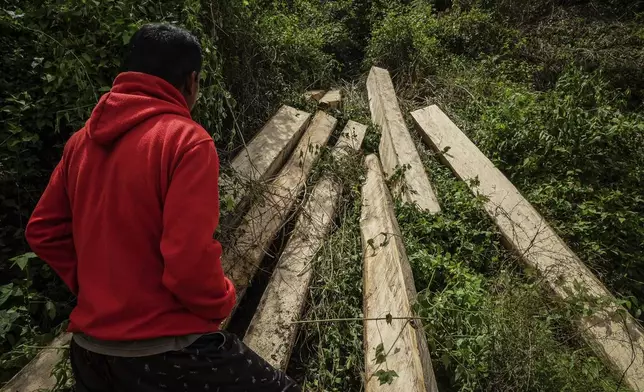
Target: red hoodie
<point>128,217</point>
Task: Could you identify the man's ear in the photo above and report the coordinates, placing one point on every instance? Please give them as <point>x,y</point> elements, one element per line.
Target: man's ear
<point>190,84</point>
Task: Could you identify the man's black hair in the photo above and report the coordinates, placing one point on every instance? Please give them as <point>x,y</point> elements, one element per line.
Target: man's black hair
<point>166,51</point>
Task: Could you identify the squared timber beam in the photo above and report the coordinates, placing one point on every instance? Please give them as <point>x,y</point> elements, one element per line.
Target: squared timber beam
<point>271,333</point>
<point>266,216</point>
<point>350,139</point>
<point>314,95</point>
<point>36,375</point>
<point>331,100</point>
<point>261,158</point>
<point>397,150</point>
<point>389,291</point>
<point>612,332</point>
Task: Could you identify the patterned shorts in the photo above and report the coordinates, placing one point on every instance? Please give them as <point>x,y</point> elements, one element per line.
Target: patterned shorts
<point>217,362</point>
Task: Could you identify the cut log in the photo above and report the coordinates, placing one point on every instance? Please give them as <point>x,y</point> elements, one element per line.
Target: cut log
<point>261,158</point>
<point>266,216</point>
<point>389,290</point>
<point>397,149</point>
<point>350,139</point>
<point>612,332</point>
<point>314,95</point>
<point>331,100</point>
<point>272,145</point>
<point>271,333</point>
<point>36,376</point>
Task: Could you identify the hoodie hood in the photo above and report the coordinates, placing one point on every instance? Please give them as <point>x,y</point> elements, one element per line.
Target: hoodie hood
<point>134,98</point>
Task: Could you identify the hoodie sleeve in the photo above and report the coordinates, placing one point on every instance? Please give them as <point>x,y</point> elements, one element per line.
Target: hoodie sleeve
<point>193,271</point>
<point>49,231</point>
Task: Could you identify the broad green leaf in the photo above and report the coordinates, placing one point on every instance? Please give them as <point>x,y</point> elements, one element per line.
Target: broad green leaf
<point>386,376</point>
<point>380,354</point>
<point>5,293</point>
<point>22,260</point>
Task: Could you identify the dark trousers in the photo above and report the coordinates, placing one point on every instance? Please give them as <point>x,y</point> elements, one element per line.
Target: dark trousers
<point>217,362</point>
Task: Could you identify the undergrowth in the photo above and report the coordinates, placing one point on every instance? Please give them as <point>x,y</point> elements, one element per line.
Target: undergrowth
<point>549,105</point>
<point>552,91</point>
<point>489,326</point>
<point>329,355</point>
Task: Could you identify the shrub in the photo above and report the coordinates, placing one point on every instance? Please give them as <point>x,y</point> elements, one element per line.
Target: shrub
<point>413,41</point>
<point>612,46</point>
<point>474,33</point>
<point>578,155</point>
<point>266,53</point>
<point>59,58</point>
<point>404,42</point>
<point>489,328</point>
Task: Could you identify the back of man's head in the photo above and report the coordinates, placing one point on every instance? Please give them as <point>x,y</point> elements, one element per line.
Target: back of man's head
<point>165,51</point>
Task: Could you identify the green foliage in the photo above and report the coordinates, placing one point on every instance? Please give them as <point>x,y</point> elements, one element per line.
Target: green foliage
<point>62,373</point>
<point>577,154</point>
<point>488,327</point>
<point>404,41</point>
<point>414,42</point>
<point>386,376</point>
<point>267,54</point>
<point>612,44</point>
<point>542,103</point>
<point>27,317</point>
<point>60,56</point>
<point>330,355</point>
<point>371,140</point>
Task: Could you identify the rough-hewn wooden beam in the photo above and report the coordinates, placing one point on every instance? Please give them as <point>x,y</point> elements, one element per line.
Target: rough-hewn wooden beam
<point>314,95</point>
<point>36,376</point>
<point>397,150</point>
<point>331,100</point>
<point>614,334</point>
<point>389,290</point>
<point>269,149</point>
<point>266,216</point>
<point>261,158</point>
<point>350,139</point>
<point>271,332</point>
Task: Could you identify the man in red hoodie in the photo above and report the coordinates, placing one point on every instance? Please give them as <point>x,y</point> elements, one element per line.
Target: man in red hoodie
<point>127,222</point>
